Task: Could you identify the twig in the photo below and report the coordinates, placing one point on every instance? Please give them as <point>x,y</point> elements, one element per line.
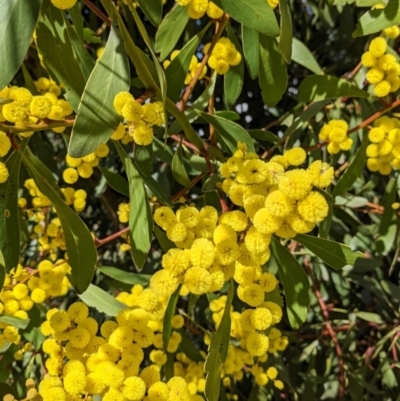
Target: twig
<point>97,11</point>
<point>100,242</point>
<point>183,191</point>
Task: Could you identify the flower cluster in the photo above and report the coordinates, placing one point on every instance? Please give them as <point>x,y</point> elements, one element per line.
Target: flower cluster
<point>277,201</point>
<point>336,133</point>
<point>384,70</point>
<point>76,198</point>
<point>140,118</point>
<point>83,166</point>
<point>63,4</point>
<point>198,8</point>
<point>5,146</point>
<point>193,67</point>
<point>26,109</point>
<point>384,151</point>
<point>223,56</point>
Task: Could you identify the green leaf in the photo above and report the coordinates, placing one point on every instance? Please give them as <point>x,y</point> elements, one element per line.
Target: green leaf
<point>317,87</point>
<point>9,213</point>
<point>144,158</point>
<point>28,82</point>
<point>376,20</point>
<point>97,120</point>
<point>274,296</point>
<point>392,289</point>
<point>353,171</point>
<point>302,55</point>
<point>152,9</point>
<point>14,321</point>
<point>163,240</point>
<point>18,21</point>
<point>272,71</point>
<point>229,132</point>
<point>178,169</point>
<point>140,217</point>
<point>76,16</point>
<point>251,50</point>
<point>5,388</point>
<point>176,72</point>
<point>255,14</point>
<point>264,136</point>
<point>188,348</point>
<point>101,300</point>
<point>286,36</point>
<point>332,253</point>
<point>55,45</point>
<point>124,276</point>
<point>166,38</point>
<point>218,350</point>
<point>81,250</point>
<point>234,78</point>
<point>115,181</point>
<point>169,314</point>
<point>295,283</point>
<point>370,317</point>
<point>210,184</point>
<point>2,270</point>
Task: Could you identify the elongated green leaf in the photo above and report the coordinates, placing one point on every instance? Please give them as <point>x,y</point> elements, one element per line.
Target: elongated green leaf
<point>286,36</point>
<point>353,171</point>
<point>55,45</point>
<point>115,181</point>
<point>295,283</point>
<point>376,20</point>
<point>76,16</point>
<point>28,82</point>
<point>218,351</point>
<point>265,136</point>
<point>301,55</point>
<point>2,270</point>
<point>18,21</point>
<point>251,50</point>
<point>188,348</point>
<point>332,253</point>
<point>370,317</point>
<point>272,71</point>
<point>178,169</point>
<point>255,14</point>
<point>9,214</point>
<point>14,321</point>
<point>229,132</point>
<point>144,159</point>
<point>166,38</point>
<point>175,73</point>
<point>125,277</point>
<point>82,255</point>
<point>391,289</point>
<point>101,300</point>
<point>97,120</point>
<point>169,314</point>
<point>317,87</point>
<point>140,217</point>
<point>234,78</point>
<point>152,10</point>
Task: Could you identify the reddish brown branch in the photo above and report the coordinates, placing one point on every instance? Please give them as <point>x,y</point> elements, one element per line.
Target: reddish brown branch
<point>97,11</point>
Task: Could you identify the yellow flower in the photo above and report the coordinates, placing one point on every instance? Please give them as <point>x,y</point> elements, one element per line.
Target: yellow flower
<point>120,99</point>
<point>378,47</point>
<point>64,4</point>
<point>313,208</point>
<point>257,343</point>
<point>70,175</point>
<point>143,134</point>
<point>197,280</point>
<point>5,144</point>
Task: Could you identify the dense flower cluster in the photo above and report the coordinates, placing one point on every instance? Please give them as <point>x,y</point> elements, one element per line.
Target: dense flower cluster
<point>140,118</point>
<point>223,56</point>
<point>5,146</point>
<point>193,67</point>
<point>384,151</point>
<point>198,8</point>
<point>384,70</point>
<point>335,132</point>
<point>83,166</point>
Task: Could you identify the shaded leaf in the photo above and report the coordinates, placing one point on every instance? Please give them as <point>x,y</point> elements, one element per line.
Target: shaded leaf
<point>115,181</point>
<point>370,317</point>
<point>152,9</point>
<point>169,314</point>
<point>325,226</point>
<point>163,240</point>
<point>18,21</point>
<point>272,71</point>
<point>302,55</point>
<point>332,253</point>
<point>124,276</point>
<point>14,321</point>
<point>166,38</point>
<point>286,36</point>
<point>317,87</point>
<point>97,120</point>
<point>82,255</point>
<point>178,169</point>
<point>188,348</point>
<point>2,270</point>
<point>251,50</point>
<point>265,136</point>
<point>295,283</point>
<point>229,132</point>
<point>101,300</point>
<point>255,14</point>
<point>144,158</point>
<point>353,171</point>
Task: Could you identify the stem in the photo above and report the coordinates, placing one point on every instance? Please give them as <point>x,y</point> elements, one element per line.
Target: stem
<point>100,242</point>
<point>183,191</point>
<point>38,127</point>
<point>97,11</point>
<point>189,90</point>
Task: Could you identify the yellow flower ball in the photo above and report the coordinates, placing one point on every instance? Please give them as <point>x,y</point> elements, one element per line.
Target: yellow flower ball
<point>295,184</point>
<point>373,164</point>
<point>375,75</point>
<point>120,100</point>
<point>14,112</point>
<point>134,388</point>
<point>273,3</point>
<point>197,280</point>
<point>378,47</point>
<point>64,4</point>
<point>321,173</point>
<point>257,343</point>
<point>143,134</point>
<point>279,204</point>
<point>387,62</point>
<point>261,318</point>
<point>3,173</point>
<point>265,222</point>
<point>70,175</point>
<point>119,133</point>
<point>197,8</point>
<point>382,89</point>
<point>368,60</point>
<point>295,156</point>
<point>5,144</point>
<point>85,170</point>
<point>313,208</point>
<point>392,32</point>
<point>213,11</point>
<point>40,106</point>
<point>177,232</point>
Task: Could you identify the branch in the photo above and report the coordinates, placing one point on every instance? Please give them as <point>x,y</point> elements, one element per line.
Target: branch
<point>97,11</point>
